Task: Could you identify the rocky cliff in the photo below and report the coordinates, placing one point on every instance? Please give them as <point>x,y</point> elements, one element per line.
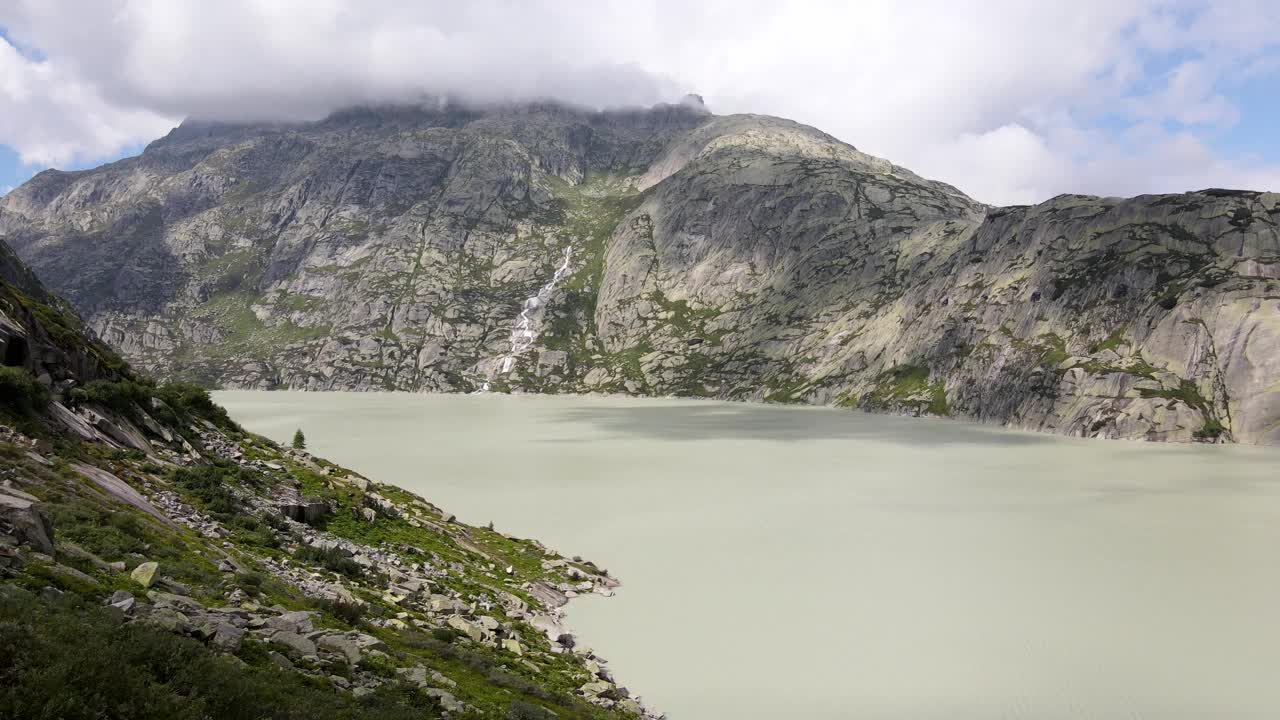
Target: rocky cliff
<point>156,561</point>
<point>739,257</point>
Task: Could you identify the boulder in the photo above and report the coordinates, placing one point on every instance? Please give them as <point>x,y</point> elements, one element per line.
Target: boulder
<point>381,505</point>
<point>145,574</point>
<point>446,700</point>
<point>369,643</point>
<point>343,645</point>
<point>227,636</point>
<point>596,687</point>
<point>549,625</point>
<point>416,675</point>
<point>447,605</point>
<point>296,621</point>
<point>296,644</point>
<point>178,602</point>
<point>171,620</point>
<point>470,629</point>
<point>21,518</point>
<point>308,511</point>
<point>513,646</point>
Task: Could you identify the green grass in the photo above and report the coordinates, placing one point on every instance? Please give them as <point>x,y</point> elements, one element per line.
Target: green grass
<point>910,384</point>
<point>245,336</point>
<point>20,394</point>
<point>1113,342</point>
<point>1188,394</point>
<point>77,662</point>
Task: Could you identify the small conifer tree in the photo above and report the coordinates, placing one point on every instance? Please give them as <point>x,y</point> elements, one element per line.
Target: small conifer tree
<point>299,440</point>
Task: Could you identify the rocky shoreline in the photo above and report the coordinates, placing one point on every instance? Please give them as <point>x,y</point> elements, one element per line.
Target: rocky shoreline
<point>484,604</point>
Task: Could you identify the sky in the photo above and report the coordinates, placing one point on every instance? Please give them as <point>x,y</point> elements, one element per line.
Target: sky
<point>1012,101</point>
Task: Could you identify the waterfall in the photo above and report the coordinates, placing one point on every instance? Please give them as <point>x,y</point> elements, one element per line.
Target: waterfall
<point>525,331</point>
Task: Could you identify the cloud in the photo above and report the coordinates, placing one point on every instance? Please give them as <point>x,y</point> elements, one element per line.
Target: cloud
<point>52,118</point>
<point>1009,100</point>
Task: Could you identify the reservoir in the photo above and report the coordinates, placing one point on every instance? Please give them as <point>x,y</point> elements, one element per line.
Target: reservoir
<point>783,562</point>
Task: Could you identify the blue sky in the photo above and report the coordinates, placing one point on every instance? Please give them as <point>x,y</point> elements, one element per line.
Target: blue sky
<point>1011,101</point>
<point>1257,132</point>
<point>13,172</point>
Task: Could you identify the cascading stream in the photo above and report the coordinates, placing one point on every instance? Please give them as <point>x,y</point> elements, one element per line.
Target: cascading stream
<point>526,329</point>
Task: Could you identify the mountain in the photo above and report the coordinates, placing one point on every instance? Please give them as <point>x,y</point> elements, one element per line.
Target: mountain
<point>157,561</point>
<point>661,251</point>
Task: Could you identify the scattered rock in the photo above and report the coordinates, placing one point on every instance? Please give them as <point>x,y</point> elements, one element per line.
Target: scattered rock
<point>471,630</point>
<point>307,512</point>
<point>349,647</point>
<point>596,687</point>
<point>170,620</point>
<point>446,605</point>
<point>296,621</point>
<point>145,574</point>
<point>21,518</point>
<point>227,636</point>
<point>446,700</point>
<point>297,644</point>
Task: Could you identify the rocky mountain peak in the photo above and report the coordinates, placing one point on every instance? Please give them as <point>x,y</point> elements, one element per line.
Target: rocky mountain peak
<point>741,256</point>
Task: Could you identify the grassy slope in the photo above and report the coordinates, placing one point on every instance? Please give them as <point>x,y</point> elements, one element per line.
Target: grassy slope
<point>94,530</point>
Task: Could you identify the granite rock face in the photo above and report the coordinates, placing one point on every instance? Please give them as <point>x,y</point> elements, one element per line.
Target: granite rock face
<point>740,257</point>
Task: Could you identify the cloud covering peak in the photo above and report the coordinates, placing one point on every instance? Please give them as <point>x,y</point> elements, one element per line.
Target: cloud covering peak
<point>1010,101</point>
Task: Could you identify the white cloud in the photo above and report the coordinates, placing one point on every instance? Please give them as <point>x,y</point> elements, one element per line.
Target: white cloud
<point>53,118</point>
<point>1000,97</point>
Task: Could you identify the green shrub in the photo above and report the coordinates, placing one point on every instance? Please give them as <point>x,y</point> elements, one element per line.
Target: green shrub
<point>251,582</point>
<point>210,485</point>
<point>20,394</point>
<point>331,558</point>
<point>119,395</point>
<point>191,399</point>
<point>348,612</point>
<point>106,533</point>
<point>255,531</point>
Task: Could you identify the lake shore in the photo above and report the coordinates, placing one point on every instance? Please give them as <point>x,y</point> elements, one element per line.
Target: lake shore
<point>973,567</point>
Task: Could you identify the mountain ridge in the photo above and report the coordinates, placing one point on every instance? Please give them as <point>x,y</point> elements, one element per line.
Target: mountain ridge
<point>740,257</point>
<point>170,564</point>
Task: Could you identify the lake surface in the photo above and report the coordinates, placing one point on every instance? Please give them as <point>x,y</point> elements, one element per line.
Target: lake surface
<point>811,563</point>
